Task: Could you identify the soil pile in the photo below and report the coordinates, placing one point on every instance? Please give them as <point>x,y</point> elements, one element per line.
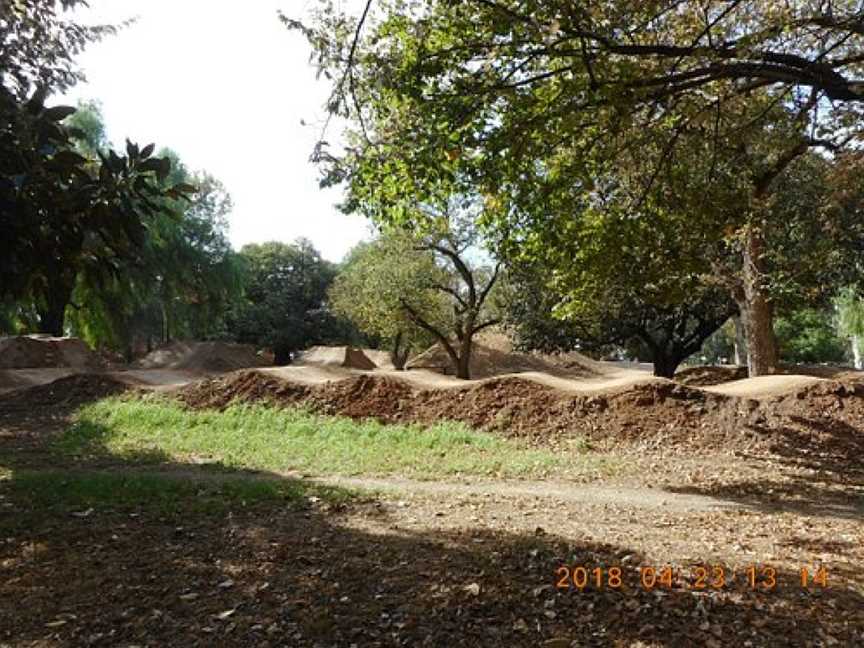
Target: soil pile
<point>824,419</point>
<point>336,356</point>
<point>43,352</point>
<point>70,392</point>
<point>381,358</point>
<point>493,355</point>
<point>705,376</point>
<point>242,387</point>
<point>202,356</point>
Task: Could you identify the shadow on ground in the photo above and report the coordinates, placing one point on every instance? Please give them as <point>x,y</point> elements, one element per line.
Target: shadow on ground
<point>815,469</point>
<point>297,573</point>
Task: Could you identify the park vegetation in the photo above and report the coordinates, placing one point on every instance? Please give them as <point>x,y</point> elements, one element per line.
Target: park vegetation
<point>619,177</point>
<point>641,160</point>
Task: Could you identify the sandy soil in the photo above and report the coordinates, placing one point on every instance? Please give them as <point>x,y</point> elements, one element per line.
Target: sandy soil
<point>20,378</point>
<point>764,386</point>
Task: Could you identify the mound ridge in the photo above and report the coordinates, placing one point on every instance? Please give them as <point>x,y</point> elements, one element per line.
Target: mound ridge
<point>202,356</point>
<point>46,352</point>
<point>509,405</point>
<point>71,391</point>
<point>336,356</point>
<point>823,419</point>
<point>493,355</point>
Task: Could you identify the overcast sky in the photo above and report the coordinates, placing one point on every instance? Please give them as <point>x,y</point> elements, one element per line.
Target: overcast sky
<point>226,85</point>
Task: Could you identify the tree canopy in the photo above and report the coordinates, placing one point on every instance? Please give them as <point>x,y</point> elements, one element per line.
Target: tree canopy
<point>538,104</point>
<point>285,303</point>
<point>373,282</point>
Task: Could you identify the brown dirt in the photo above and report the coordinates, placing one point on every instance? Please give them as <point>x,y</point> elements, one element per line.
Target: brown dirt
<point>68,392</point>
<point>336,356</point>
<point>202,356</point>
<point>493,355</point>
<point>657,415</point>
<point>704,376</point>
<point>31,352</point>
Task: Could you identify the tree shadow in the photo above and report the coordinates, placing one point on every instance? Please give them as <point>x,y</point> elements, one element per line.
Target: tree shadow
<point>303,576</point>
<point>814,469</point>
<point>302,572</point>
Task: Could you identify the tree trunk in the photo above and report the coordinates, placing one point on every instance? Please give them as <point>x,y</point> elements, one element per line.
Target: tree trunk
<point>463,366</point>
<point>398,354</point>
<point>857,352</point>
<point>52,315</point>
<point>756,310</point>
<point>740,342</point>
<point>665,366</point>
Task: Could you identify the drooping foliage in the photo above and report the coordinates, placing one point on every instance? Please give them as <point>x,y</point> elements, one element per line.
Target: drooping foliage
<point>61,212</point>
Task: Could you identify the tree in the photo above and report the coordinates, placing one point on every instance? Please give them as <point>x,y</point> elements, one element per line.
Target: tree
<point>486,92</point>
<point>573,286</point>
<point>182,284</point>
<point>374,280</point>
<point>850,322</point>
<point>808,336</point>
<point>452,237</point>
<point>285,304</point>
<point>63,213</point>
<point>60,211</point>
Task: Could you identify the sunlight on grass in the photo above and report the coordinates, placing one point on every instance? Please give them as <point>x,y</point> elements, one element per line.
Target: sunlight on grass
<point>267,438</point>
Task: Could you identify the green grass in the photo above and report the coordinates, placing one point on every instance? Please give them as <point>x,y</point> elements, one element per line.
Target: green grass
<point>267,438</point>
<point>46,491</point>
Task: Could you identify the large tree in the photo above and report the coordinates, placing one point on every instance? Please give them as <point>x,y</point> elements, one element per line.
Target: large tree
<point>484,92</point>
<point>285,303</point>
<point>373,282</point>
<point>60,211</point>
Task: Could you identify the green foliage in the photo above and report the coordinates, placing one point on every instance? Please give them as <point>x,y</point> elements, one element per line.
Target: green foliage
<point>377,277</point>
<point>808,336</point>
<point>850,313</point>
<point>285,304</point>
<point>266,438</point>
<point>719,347</point>
<point>64,214</point>
<point>571,122</point>
<point>87,127</point>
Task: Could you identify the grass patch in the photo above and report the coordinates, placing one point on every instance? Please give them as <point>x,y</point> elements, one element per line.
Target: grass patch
<point>267,438</point>
<point>47,491</point>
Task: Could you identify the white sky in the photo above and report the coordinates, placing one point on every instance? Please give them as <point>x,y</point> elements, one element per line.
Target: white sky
<point>226,85</point>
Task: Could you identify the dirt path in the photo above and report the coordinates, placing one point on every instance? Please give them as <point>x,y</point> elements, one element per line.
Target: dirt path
<point>648,498</point>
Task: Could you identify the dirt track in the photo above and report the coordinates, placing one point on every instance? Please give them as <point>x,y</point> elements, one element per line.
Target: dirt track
<point>456,563</point>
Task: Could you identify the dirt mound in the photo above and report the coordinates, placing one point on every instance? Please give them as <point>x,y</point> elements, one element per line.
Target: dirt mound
<point>489,361</point>
<point>704,376</point>
<point>242,386</point>
<point>71,391</point>
<point>510,406</point>
<point>202,356</point>
<point>824,419</point>
<point>381,358</point>
<point>336,356</point>
<point>41,352</point>
<point>12,380</point>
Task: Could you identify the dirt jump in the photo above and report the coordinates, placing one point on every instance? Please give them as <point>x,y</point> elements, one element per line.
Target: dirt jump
<point>43,352</point>
<point>336,356</point>
<point>202,356</point>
